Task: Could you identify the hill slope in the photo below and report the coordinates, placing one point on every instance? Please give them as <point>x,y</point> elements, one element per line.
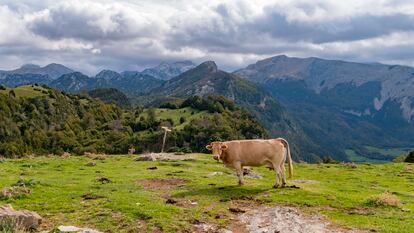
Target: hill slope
<point>206,79</point>
<point>41,120</point>
<point>345,104</point>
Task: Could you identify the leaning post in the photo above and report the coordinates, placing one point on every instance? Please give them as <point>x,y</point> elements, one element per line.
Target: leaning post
<point>166,129</point>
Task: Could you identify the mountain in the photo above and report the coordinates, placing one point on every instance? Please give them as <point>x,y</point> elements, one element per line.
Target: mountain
<point>345,104</point>
<point>206,79</point>
<point>131,83</point>
<point>166,71</point>
<point>72,82</point>
<point>13,80</point>
<point>53,70</point>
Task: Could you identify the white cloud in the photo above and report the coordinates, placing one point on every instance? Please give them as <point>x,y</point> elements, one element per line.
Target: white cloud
<point>91,35</point>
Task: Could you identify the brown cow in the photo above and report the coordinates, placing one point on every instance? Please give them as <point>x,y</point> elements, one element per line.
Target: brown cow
<point>239,153</point>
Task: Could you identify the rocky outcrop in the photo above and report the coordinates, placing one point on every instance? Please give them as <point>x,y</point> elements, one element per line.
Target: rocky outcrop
<point>22,218</point>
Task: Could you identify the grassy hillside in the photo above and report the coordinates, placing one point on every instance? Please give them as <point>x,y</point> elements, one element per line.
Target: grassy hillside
<point>372,154</point>
<point>66,191</point>
<point>38,120</point>
<point>26,91</point>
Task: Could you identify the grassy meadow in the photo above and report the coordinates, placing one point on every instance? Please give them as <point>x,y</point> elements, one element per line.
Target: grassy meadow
<point>118,194</point>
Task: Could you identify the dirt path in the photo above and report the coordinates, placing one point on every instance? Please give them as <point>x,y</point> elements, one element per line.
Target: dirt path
<point>286,219</point>
<point>280,219</point>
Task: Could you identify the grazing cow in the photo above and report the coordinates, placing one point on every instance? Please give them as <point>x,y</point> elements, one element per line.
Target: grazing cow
<point>239,153</point>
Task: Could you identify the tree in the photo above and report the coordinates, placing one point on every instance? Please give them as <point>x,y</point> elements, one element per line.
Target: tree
<point>12,94</point>
<point>410,157</point>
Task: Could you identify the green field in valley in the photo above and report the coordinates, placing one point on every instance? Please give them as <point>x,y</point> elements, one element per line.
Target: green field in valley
<point>389,153</point>
<point>26,91</point>
<point>118,194</point>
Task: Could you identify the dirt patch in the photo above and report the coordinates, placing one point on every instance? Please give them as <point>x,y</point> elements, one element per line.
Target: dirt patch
<point>286,219</point>
<point>161,183</point>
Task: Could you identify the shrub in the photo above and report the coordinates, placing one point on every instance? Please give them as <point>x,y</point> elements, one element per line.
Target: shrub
<point>329,160</point>
<point>386,199</point>
<point>186,150</point>
<point>410,157</point>
<point>173,149</point>
<point>182,120</point>
<point>2,87</point>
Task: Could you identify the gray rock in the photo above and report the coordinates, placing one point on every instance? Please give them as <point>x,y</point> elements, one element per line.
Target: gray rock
<point>148,157</point>
<point>215,174</point>
<point>23,218</point>
<point>67,229</point>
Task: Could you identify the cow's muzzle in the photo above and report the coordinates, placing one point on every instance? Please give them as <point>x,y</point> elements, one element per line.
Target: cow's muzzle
<point>216,157</point>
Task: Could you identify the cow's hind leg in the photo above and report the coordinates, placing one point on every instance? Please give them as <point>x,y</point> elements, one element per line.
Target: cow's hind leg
<point>278,174</point>
<point>283,174</point>
<point>239,171</point>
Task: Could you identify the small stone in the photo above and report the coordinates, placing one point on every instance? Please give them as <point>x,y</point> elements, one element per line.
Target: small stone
<point>215,174</point>
<point>68,229</point>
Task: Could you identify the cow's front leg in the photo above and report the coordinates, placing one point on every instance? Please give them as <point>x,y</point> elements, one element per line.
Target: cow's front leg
<point>239,172</point>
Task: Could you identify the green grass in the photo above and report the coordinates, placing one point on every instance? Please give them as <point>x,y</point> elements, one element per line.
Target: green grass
<point>391,152</point>
<point>340,192</point>
<point>26,91</point>
<point>353,156</point>
<point>175,114</point>
<point>388,152</point>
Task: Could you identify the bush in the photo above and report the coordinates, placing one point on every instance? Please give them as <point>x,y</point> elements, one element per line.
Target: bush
<point>410,157</point>
<point>186,150</point>
<point>2,87</point>
<point>182,120</point>
<point>173,149</point>
<point>329,160</point>
<point>386,199</point>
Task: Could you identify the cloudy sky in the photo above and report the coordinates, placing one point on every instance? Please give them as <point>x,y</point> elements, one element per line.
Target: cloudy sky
<point>130,35</point>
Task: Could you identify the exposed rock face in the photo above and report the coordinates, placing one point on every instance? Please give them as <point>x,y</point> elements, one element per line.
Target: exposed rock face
<point>397,82</point>
<point>166,71</point>
<point>23,218</point>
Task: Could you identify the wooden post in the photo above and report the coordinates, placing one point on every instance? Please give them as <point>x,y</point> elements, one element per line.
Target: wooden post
<point>166,129</point>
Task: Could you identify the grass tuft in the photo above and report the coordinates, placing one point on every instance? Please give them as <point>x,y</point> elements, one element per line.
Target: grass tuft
<point>385,199</point>
<point>11,225</point>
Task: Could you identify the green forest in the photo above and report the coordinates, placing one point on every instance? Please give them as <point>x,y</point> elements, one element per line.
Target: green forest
<point>40,120</point>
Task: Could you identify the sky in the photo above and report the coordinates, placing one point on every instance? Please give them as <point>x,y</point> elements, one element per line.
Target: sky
<point>123,35</point>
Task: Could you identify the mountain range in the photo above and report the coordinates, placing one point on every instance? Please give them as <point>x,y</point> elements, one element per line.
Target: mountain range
<point>325,107</point>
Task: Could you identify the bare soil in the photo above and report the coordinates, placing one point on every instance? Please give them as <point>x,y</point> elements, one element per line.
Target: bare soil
<point>161,183</point>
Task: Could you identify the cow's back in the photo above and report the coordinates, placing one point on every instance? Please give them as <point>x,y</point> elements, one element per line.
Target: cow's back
<point>252,152</point>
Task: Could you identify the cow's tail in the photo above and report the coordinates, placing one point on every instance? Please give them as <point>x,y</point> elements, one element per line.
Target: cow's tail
<point>289,157</point>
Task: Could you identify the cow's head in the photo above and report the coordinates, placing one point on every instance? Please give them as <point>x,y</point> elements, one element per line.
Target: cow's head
<point>217,149</point>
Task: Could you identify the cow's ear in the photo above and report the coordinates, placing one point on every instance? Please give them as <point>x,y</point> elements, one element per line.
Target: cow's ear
<point>224,147</point>
<point>208,147</point>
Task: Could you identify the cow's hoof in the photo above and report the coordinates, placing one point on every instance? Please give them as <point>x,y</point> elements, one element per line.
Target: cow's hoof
<point>284,185</point>
<point>275,186</point>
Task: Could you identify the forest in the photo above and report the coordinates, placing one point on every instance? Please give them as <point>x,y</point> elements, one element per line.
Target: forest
<point>41,120</point>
